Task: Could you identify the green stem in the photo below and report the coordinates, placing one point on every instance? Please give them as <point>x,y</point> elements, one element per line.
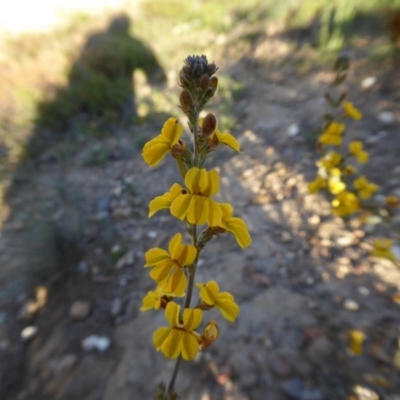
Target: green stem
<point>182,168</point>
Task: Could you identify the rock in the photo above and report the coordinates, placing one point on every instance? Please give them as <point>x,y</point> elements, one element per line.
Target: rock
<point>368,82</point>
<point>364,393</point>
<point>151,234</point>
<point>363,290</point>
<point>79,310</point>
<point>94,342</point>
<point>293,130</point>
<point>29,333</point>
<point>386,117</point>
<point>279,365</point>
<point>351,305</point>
<point>314,220</point>
<point>296,390</point>
<point>260,279</point>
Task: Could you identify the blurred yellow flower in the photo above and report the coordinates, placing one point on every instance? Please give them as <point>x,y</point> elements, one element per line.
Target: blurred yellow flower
<point>365,188</point>
<point>383,248</point>
<point>152,300</point>
<point>156,149</point>
<point>356,340</point>
<point>317,184</point>
<point>335,183</point>
<point>345,203</point>
<point>225,302</point>
<point>333,134</point>
<point>351,111</point>
<point>331,160</point>
<point>356,149</point>
<point>168,266</point>
<point>179,339</point>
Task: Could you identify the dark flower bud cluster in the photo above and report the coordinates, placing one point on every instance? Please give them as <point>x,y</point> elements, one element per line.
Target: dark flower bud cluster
<point>198,84</point>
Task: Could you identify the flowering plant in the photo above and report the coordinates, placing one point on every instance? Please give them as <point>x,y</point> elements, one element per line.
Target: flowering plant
<point>173,271</point>
<point>351,194</point>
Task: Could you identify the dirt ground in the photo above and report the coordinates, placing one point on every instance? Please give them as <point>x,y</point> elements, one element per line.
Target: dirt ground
<point>81,229</point>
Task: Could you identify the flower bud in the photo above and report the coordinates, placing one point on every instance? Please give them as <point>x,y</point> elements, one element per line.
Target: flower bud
<point>186,101</point>
<point>204,82</point>
<point>209,125</point>
<point>211,333</point>
<point>214,83</point>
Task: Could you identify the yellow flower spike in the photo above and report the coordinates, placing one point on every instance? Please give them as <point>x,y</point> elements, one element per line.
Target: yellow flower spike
<point>168,266</point>
<point>211,333</point>
<point>164,201</point>
<point>365,188</point>
<point>356,149</point>
<point>351,111</point>
<point>225,302</point>
<point>179,339</point>
<point>196,205</point>
<point>332,134</point>
<point>383,248</point>
<point>235,225</point>
<point>317,184</point>
<point>156,149</point>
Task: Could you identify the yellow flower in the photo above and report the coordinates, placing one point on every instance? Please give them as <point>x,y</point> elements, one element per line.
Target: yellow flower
<point>225,302</point>
<point>332,134</point>
<point>164,201</point>
<point>179,338</point>
<point>345,203</point>
<point>168,266</point>
<point>152,300</point>
<point>351,111</point>
<point>196,204</point>
<point>335,183</point>
<point>225,138</point>
<point>331,160</point>
<point>356,149</point>
<point>316,185</point>
<point>211,333</point>
<point>156,149</point>
<point>365,188</point>
<point>383,248</point>
<point>356,341</point>
<point>235,225</point>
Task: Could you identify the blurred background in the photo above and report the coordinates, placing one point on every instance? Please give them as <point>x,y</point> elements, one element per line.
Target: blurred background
<point>83,85</point>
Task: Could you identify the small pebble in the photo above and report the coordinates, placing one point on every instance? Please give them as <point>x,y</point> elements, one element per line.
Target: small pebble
<point>28,333</point>
<point>79,309</point>
<point>363,290</point>
<point>152,234</point>
<point>293,130</point>
<point>386,117</point>
<point>94,342</point>
<point>368,82</point>
<point>351,305</point>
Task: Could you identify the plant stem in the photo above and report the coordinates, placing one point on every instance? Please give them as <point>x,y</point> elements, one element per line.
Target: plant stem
<point>174,375</point>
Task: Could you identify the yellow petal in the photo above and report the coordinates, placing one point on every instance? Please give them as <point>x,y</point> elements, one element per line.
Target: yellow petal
<point>197,212</point>
<point>192,318</point>
<point>172,313</point>
<point>192,179</point>
<point>172,131</point>
<point>155,151</point>
<point>239,229</point>
<point>228,139</point>
<point>176,283</point>
<point>155,255</point>
<point>214,213</point>
<point>161,272</point>
<point>158,203</point>
<point>172,345</point>
<point>184,254</point>
<point>208,292</point>
<point>190,346</point>
<point>213,183</point>
<point>229,309</point>
<point>150,301</point>
<point>173,243</point>
<point>180,205</point>
<point>227,210</point>
<point>160,335</point>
